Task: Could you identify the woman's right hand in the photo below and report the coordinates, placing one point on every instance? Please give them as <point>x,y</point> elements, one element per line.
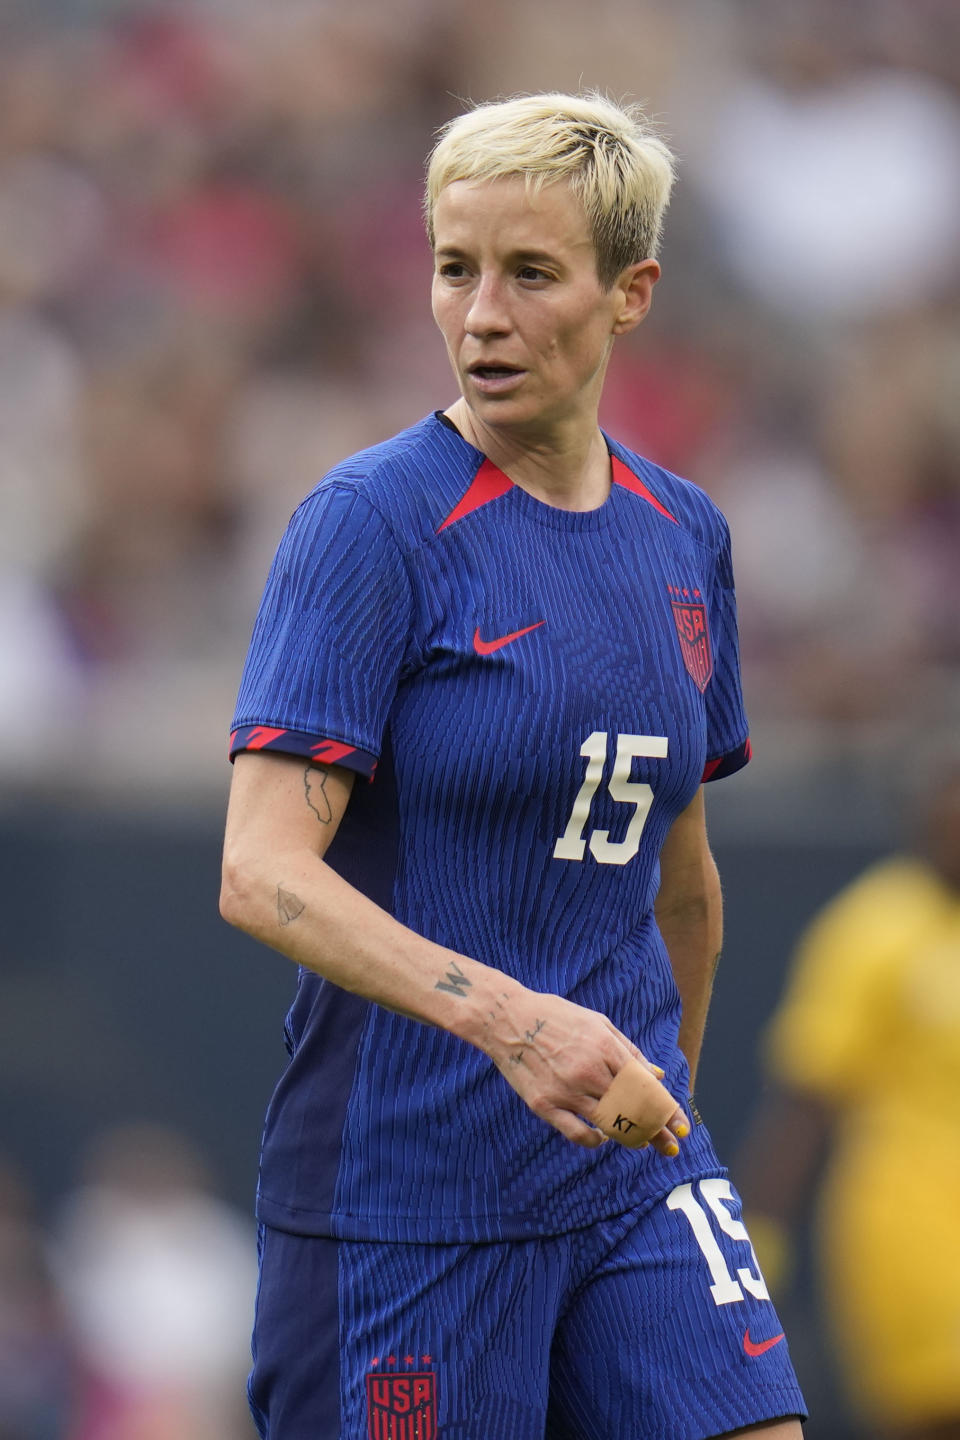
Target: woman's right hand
<point>561,1058</point>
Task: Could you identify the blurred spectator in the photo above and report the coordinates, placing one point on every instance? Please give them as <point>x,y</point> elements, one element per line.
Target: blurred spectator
<point>833,180</point>
<point>158,1279</point>
<point>35,1362</point>
<point>864,1052</point>
<point>42,509</point>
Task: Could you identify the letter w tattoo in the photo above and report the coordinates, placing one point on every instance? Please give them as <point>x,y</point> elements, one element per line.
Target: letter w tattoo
<point>456,983</point>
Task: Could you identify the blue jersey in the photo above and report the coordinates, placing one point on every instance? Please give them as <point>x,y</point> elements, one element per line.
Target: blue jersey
<point>534,695</point>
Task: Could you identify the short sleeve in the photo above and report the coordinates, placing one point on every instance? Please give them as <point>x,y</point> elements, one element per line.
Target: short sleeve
<point>330,637</point>
<point>728,743</point>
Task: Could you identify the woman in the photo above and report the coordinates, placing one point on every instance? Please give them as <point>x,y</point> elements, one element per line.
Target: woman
<point>524,636</point>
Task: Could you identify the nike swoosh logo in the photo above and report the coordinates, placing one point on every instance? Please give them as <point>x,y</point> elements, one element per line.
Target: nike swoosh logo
<point>759,1347</point>
<point>487,647</point>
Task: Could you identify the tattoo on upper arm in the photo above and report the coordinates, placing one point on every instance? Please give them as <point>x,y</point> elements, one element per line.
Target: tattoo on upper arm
<point>315,790</point>
<point>455,982</point>
<point>289,906</point>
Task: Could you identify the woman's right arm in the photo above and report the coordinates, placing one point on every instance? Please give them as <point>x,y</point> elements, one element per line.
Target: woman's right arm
<point>282,817</point>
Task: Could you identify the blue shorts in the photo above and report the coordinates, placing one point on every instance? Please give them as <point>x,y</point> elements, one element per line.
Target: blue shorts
<point>655,1325</point>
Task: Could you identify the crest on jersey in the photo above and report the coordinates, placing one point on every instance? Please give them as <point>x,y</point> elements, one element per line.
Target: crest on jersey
<point>690,618</point>
<point>402,1407</point>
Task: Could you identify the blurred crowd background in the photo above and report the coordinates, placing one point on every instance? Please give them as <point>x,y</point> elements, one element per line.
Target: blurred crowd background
<point>214,285</point>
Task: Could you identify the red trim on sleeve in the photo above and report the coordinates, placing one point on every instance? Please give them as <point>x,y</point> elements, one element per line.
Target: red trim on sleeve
<point>624,476</point>
<point>259,737</point>
<point>727,764</point>
<point>331,752</point>
<point>488,484</point>
<point>310,747</point>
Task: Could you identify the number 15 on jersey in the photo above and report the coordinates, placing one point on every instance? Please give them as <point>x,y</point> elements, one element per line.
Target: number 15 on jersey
<point>572,843</point>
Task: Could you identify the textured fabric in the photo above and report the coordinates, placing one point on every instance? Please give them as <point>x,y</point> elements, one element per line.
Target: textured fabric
<point>613,1330</point>
<point>294,1386</point>
<point>545,690</point>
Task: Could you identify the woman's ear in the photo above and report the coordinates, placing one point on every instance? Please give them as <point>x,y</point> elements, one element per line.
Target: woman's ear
<point>635,285</point>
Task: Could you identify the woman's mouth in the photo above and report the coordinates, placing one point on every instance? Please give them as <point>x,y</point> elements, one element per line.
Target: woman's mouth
<point>492,379</point>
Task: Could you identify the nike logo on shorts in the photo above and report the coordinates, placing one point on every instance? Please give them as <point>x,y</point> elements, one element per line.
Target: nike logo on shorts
<point>759,1347</point>
<point>488,647</point>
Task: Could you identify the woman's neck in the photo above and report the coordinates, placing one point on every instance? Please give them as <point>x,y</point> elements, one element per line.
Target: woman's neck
<point>568,467</point>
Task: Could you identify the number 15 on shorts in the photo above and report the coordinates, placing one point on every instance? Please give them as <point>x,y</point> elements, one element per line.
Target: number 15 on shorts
<point>704,1221</point>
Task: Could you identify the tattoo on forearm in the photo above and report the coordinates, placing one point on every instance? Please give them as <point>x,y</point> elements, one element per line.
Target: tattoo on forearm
<point>455,982</point>
<point>500,1007</point>
<point>289,906</point>
<point>315,790</point>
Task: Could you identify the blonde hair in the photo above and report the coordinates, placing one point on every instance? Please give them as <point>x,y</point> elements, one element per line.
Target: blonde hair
<point>618,168</point>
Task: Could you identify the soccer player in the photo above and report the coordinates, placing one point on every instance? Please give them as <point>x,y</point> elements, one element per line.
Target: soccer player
<point>868,1034</point>
<point>495,659</point>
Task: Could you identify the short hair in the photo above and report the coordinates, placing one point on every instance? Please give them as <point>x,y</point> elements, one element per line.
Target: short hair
<point>617,166</point>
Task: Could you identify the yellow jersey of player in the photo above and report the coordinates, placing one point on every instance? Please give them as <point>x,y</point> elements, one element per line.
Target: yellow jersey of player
<point>871,1026</point>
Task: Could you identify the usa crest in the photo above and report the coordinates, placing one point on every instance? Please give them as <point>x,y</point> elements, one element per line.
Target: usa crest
<point>402,1407</point>
<point>690,618</point>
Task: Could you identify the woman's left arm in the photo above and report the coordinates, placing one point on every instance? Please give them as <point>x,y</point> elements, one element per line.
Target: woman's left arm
<point>689,912</point>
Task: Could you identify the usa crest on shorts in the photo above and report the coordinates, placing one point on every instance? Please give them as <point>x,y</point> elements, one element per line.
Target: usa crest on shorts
<point>402,1407</point>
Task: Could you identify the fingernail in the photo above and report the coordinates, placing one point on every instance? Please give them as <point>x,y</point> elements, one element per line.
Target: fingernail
<point>658,1072</point>
<point>681,1131</point>
<point>671,1151</point>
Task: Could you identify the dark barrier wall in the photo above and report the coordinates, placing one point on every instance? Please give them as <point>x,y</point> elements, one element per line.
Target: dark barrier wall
<point>124,996</point>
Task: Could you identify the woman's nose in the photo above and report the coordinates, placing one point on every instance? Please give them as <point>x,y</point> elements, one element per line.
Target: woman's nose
<point>488,313</point>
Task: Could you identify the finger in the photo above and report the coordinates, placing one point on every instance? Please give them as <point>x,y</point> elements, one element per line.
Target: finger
<point>575,1129</point>
<point>636,1053</point>
<point>634,1106</point>
<point>666,1144</point>
<point>651,1065</point>
<point>679,1124</point>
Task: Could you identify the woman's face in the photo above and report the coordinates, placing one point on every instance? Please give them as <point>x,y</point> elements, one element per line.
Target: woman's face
<point>527,324</point>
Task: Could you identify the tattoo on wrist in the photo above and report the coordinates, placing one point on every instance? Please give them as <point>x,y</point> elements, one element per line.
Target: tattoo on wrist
<point>454,982</point>
<point>289,906</point>
<point>529,1035</point>
<point>315,790</point>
